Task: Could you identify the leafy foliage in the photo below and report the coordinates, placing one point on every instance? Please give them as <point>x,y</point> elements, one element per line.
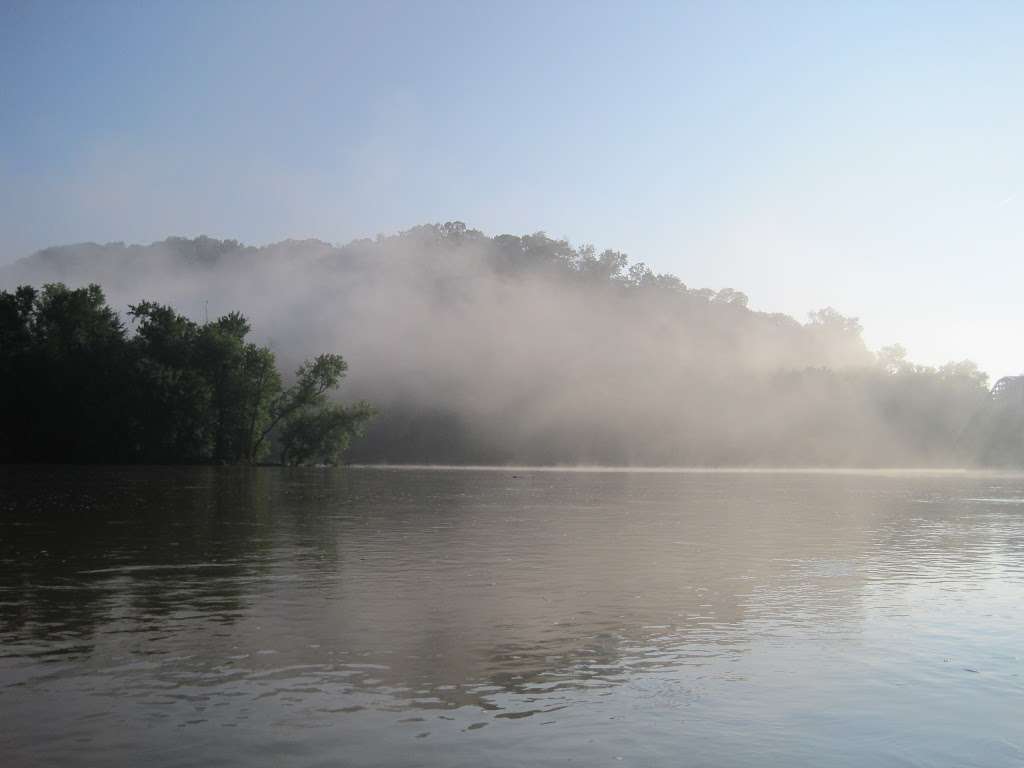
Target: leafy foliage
<point>523,349</point>
<point>77,387</point>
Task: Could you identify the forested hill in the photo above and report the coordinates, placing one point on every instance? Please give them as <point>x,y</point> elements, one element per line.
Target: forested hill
<point>529,350</point>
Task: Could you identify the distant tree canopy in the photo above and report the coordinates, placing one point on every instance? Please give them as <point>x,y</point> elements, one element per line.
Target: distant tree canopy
<point>479,349</point>
<point>76,386</point>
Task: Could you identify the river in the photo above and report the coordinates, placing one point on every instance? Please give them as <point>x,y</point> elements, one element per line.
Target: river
<point>470,617</point>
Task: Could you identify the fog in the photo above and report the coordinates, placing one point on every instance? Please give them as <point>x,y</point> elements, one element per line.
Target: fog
<point>510,349</point>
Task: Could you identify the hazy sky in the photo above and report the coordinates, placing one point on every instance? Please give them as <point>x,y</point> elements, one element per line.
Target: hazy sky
<point>864,155</point>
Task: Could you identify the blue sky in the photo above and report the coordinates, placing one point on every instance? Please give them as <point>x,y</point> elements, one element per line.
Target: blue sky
<point>868,156</point>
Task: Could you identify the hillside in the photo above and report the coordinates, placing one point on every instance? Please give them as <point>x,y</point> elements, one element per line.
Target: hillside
<point>529,350</point>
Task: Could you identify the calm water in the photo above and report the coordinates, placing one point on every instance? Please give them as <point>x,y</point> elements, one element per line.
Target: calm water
<point>465,618</point>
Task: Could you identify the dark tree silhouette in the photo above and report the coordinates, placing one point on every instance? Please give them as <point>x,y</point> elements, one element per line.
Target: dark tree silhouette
<point>76,386</point>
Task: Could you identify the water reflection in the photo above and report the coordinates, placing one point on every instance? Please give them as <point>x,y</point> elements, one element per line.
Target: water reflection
<point>382,605</point>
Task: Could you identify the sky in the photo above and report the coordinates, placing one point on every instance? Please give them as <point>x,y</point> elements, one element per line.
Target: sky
<point>867,156</point>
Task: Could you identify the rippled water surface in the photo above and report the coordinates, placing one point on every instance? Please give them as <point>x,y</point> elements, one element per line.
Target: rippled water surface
<point>359,617</point>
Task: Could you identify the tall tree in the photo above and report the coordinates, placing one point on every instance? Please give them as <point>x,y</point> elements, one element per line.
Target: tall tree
<point>74,386</point>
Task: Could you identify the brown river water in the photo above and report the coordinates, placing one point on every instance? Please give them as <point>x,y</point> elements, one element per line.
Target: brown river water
<point>416,617</point>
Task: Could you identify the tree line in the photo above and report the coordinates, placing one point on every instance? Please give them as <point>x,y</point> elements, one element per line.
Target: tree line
<point>528,349</point>
<point>79,385</point>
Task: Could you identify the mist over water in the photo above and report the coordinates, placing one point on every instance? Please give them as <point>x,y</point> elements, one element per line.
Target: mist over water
<point>529,350</point>
<point>462,495</point>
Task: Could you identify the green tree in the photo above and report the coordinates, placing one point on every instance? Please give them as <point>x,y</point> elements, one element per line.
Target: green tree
<point>309,426</point>
<point>75,387</point>
<point>171,392</point>
<point>72,376</point>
